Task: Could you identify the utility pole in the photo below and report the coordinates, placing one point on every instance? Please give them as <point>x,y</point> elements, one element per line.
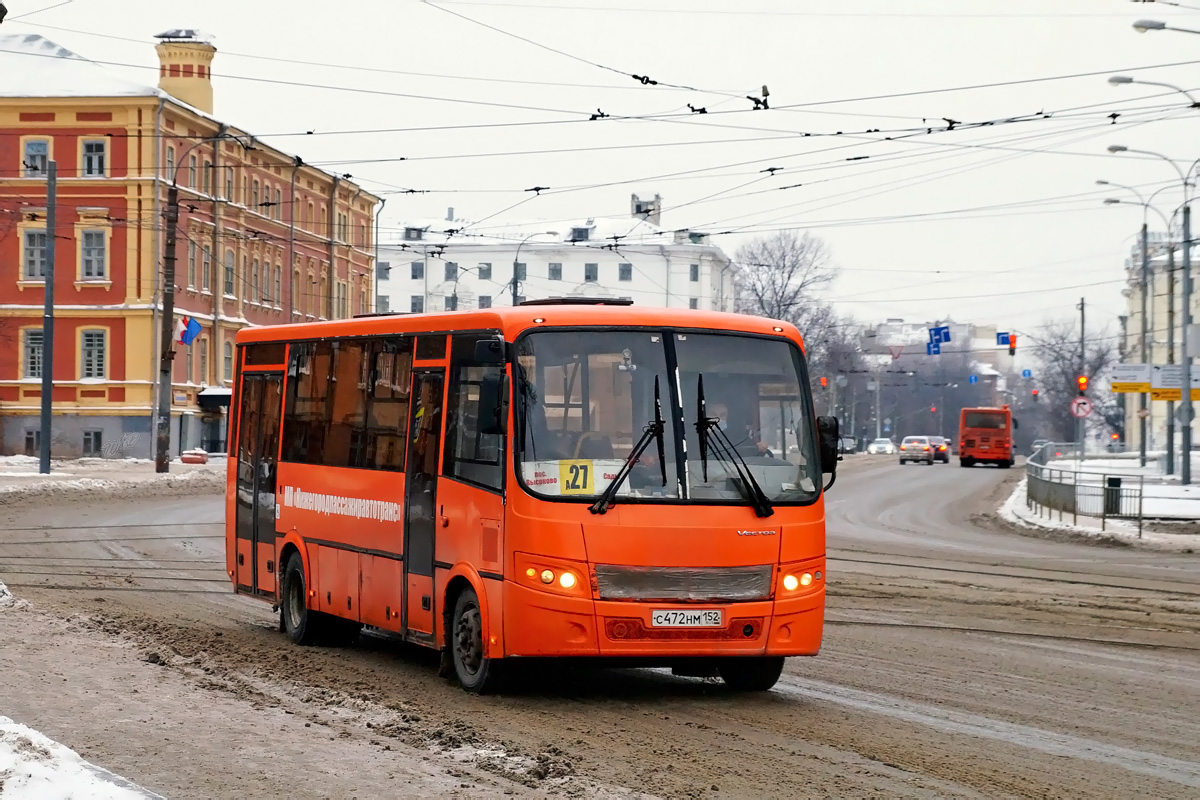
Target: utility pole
<point>1142,411</point>
<point>878,419</point>
<point>1185,360</point>
<point>1079,427</point>
<point>1170,353</point>
<point>48,319</point>
<point>162,450</point>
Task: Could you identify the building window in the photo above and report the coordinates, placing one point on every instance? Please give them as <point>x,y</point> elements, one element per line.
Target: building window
<point>229,272</point>
<point>93,159</point>
<point>171,164</point>
<point>591,273</point>
<point>228,371</point>
<point>362,235</point>
<point>694,273</point>
<point>37,158</point>
<point>192,171</point>
<point>191,265</point>
<point>32,342</point>
<point>580,234</point>
<point>93,354</point>
<point>381,305</point>
<point>93,443</point>
<point>33,442</point>
<point>625,272</point>
<point>485,271</point>
<point>418,304</point>
<point>207,177</point>
<point>384,271</point>
<point>255,295</point>
<point>451,270</point>
<point>94,256</point>
<point>451,303</point>
<point>485,301</point>
<point>343,228</point>
<point>254,206</point>
<point>35,255</point>
<point>278,285</point>
<point>278,204</point>
<point>229,183</point>
<point>206,268</point>
<point>203,360</point>
<point>693,302</point>
<point>418,270</point>
<point>414,234</point>
<point>556,272</point>
<point>190,367</point>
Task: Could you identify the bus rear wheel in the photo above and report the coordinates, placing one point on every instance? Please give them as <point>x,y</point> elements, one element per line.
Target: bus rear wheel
<point>752,674</point>
<point>302,626</point>
<point>966,462</point>
<point>476,673</point>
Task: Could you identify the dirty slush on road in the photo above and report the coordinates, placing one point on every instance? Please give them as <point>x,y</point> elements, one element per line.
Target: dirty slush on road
<point>378,710</point>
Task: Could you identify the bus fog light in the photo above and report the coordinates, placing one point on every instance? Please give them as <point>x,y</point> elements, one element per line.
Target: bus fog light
<point>566,580</point>
<point>790,582</point>
<point>806,579</point>
<point>547,576</point>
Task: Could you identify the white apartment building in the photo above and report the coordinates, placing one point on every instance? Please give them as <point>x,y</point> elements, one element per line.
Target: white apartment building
<point>450,264</point>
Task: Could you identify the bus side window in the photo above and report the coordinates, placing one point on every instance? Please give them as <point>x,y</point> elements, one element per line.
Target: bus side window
<point>472,454</point>
<point>387,415</point>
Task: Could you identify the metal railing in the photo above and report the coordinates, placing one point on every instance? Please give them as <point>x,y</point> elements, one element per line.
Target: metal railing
<point>1080,492</point>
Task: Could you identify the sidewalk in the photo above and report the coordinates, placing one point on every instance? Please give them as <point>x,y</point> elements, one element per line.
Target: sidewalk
<point>1014,510</point>
<point>20,479</point>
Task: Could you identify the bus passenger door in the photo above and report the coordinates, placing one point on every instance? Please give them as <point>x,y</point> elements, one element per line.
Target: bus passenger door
<point>424,448</point>
<point>258,448</point>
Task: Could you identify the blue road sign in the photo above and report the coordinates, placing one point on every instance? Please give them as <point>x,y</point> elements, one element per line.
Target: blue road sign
<point>933,349</point>
<point>1002,339</point>
<point>887,428</point>
<point>1026,373</point>
<point>973,379</point>
<point>940,334</point>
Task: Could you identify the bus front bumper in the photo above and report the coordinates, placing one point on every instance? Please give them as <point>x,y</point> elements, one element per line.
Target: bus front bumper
<point>541,624</point>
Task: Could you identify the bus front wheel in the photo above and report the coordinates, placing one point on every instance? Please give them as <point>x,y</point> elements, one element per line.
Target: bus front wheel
<point>301,625</point>
<point>752,674</point>
<point>476,672</point>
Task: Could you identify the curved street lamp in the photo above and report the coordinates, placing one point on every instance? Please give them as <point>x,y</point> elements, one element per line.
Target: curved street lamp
<point>1122,80</point>
<point>1186,410</point>
<point>516,261</point>
<point>1143,25</point>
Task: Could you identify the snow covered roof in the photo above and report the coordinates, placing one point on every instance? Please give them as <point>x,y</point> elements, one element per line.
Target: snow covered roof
<point>216,391</point>
<point>34,66</point>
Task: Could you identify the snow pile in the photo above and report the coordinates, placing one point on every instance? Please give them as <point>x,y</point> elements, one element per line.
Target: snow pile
<point>34,767</point>
<point>8,601</point>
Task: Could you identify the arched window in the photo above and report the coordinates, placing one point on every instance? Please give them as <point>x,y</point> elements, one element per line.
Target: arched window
<point>230,281</point>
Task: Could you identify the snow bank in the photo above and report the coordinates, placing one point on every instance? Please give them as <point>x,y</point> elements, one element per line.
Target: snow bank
<point>34,767</point>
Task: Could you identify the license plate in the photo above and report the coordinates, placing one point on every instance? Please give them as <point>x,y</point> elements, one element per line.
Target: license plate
<point>678,618</point>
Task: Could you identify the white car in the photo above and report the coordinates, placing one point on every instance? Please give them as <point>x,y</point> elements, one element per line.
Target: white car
<point>885,447</point>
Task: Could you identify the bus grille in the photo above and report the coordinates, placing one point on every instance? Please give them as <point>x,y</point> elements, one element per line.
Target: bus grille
<point>684,584</point>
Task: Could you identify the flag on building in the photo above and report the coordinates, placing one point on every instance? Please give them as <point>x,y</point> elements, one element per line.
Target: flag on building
<point>187,330</point>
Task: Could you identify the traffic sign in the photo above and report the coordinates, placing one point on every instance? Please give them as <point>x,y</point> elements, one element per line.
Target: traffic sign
<point>1081,407</point>
<point>887,421</point>
<point>1183,416</point>
<point>1129,378</point>
<point>1025,373</point>
<point>1166,381</point>
<point>1002,339</point>
<point>973,379</point>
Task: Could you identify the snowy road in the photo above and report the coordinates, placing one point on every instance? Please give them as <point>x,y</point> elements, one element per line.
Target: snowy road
<point>961,659</point>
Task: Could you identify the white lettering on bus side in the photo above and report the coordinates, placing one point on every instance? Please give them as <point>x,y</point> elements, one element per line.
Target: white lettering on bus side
<point>333,505</point>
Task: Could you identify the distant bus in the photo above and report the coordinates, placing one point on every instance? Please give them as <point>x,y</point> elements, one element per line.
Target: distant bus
<point>551,480</point>
<point>985,437</point>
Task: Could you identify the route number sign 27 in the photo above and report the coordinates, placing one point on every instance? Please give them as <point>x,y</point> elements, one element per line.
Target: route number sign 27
<point>1081,407</point>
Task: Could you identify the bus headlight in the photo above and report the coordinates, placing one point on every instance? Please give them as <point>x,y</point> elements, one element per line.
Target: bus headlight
<point>791,582</point>
<point>554,575</point>
<point>547,576</point>
<point>797,578</point>
<point>566,580</point>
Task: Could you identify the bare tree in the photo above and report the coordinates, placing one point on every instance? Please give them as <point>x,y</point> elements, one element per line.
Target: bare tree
<point>1058,359</point>
<point>779,275</point>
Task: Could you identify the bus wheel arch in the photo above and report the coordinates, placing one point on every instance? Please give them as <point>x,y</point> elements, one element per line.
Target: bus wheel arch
<point>466,636</point>
<point>302,625</point>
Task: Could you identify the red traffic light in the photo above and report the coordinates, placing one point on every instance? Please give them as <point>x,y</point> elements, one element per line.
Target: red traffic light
<point>824,381</point>
<point>1012,344</point>
<point>1083,383</point>
<point>1035,392</point>
<point>933,409</point>
<point>1116,436</point>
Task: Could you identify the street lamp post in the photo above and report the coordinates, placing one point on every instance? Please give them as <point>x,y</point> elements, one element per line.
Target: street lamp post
<point>1143,25</point>
<point>516,292</point>
<point>162,449</point>
<point>1185,407</point>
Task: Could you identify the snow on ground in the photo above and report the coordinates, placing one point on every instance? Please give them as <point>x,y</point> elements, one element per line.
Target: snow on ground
<point>19,478</point>
<point>34,767</point>
<point>1014,510</point>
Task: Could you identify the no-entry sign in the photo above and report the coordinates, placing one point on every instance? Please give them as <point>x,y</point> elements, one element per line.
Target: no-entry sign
<point>1081,407</point>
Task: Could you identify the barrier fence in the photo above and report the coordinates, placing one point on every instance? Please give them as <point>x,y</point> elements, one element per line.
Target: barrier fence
<point>1075,492</point>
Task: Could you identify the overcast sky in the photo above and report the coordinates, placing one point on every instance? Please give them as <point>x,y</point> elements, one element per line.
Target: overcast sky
<point>480,116</point>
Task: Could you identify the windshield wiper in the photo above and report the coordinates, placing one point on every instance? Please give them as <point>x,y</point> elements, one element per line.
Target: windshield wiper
<point>724,448</point>
<point>653,430</point>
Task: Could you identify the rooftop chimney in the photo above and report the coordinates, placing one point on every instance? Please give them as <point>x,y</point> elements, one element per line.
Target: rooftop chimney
<point>649,210</point>
<point>185,66</point>
<point>450,214</point>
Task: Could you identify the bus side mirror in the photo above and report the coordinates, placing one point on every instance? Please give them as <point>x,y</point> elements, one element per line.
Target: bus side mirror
<point>827,441</point>
<point>493,397</point>
<point>491,351</point>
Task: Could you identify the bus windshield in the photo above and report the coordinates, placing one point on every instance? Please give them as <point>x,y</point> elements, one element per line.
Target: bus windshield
<point>984,419</point>
<point>584,399</point>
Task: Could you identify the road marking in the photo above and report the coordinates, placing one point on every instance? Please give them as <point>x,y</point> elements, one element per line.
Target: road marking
<point>1162,767</point>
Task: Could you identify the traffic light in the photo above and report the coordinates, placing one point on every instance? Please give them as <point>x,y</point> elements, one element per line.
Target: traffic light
<point>824,382</point>
<point>1083,382</point>
<point>1035,395</point>
<point>933,409</point>
<point>1012,344</point>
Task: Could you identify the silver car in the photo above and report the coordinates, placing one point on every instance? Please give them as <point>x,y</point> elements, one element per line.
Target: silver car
<point>885,447</point>
<point>917,448</point>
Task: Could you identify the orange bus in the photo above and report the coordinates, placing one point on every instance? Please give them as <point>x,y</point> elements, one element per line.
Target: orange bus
<point>985,437</point>
<point>557,479</point>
